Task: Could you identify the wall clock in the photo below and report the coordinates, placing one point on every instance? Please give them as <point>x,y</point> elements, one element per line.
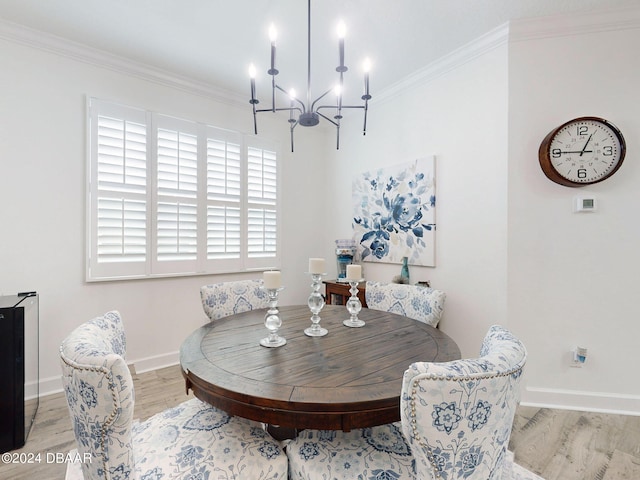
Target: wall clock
<point>582,151</point>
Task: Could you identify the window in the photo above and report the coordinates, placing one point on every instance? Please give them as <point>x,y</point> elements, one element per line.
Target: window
<point>168,196</point>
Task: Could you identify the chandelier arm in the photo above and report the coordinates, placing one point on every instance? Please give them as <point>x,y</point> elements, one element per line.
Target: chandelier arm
<point>297,100</point>
<point>366,109</point>
<point>273,93</point>
<point>326,118</point>
<point>320,98</point>
<point>293,125</point>
<point>341,90</point>
<point>254,101</point>
<point>343,106</point>
<point>279,109</point>
<point>339,109</point>
<point>255,121</point>
<point>303,109</point>
<point>281,89</point>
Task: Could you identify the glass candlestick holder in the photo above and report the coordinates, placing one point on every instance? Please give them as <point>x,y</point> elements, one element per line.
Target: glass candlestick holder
<point>316,302</point>
<point>354,306</point>
<point>272,320</point>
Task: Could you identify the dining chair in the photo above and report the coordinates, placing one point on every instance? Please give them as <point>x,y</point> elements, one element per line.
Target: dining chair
<point>456,420</point>
<point>424,304</point>
<point>227,298</point>
<point>191,440</point>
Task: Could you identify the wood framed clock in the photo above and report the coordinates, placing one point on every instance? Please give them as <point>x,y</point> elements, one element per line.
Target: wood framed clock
<point>582,151</point>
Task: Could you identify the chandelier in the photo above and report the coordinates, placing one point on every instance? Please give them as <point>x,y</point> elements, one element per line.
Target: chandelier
<point>309,114</point>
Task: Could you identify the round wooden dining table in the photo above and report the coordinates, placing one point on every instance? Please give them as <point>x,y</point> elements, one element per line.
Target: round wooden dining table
<point>350,378</point>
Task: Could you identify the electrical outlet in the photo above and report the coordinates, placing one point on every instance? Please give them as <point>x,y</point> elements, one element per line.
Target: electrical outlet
<point>579,357</point>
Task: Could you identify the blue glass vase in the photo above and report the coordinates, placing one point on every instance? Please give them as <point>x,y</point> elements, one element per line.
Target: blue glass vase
<point>404,272</point>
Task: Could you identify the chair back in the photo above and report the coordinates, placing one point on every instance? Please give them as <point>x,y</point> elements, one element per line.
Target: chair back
<point>457,416</point>
<point>227,298</point>
<point>99,390</point>
<point>420,303</point>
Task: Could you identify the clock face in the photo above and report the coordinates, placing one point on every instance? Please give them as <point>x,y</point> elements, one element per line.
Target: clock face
<point>582,151</point>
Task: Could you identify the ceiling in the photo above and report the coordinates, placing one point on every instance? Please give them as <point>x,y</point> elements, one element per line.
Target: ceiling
<point>214,41</point>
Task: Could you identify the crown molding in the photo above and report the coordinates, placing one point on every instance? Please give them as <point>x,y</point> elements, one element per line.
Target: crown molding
<point>519,30</point>
<point>514,31</point>
<point>604,20</point>
<point>20,34</point>
<point>472,50</point>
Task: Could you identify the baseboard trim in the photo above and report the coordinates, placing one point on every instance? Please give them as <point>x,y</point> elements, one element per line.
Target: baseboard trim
<point>52,385</point>
<point>610,403</point>
<point>48,386</point>
<point>157,362</point>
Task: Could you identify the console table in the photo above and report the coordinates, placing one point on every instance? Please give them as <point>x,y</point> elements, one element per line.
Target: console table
<point>337,293</point>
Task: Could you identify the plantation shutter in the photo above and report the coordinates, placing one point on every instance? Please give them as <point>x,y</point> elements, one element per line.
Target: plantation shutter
<point>224,197</point>
<point>168,197</point>
<point>118,200</point>
<point>262,205</point>
<point>176,204</point>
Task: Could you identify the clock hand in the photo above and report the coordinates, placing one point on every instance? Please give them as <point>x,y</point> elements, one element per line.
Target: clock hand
<point>579,151</point>
<point>585,145</point>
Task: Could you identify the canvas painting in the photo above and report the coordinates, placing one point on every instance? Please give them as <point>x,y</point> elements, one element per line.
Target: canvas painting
<point>394,213</point>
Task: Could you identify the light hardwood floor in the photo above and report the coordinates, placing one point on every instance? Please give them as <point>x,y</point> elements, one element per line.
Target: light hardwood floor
<point>556,444</point>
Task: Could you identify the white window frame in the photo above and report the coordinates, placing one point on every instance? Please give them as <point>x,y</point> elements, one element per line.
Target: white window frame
<point>151,266</point>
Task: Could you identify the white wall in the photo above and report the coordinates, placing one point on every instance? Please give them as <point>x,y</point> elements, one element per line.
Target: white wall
<point>509,249</point>
<point>42,198</point>
<point>573,277</point>
<point>457,111</point>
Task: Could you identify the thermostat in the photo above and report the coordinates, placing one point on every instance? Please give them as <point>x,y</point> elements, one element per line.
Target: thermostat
<point>585,204</point>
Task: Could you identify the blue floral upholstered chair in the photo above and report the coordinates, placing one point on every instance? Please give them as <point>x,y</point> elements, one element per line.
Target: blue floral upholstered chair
<point>456,420</point>
<point>420,303</point>
<point>190,441</point>
<point>227,298</point>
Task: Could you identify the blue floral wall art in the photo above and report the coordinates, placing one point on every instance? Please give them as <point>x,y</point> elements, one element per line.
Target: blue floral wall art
<point>394,213</point>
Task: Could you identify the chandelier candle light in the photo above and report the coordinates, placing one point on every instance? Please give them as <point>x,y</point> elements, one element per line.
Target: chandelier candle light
<point>272,283</point>
<point>308,114</point>
<point>316,301</point>
<point>354,277</point>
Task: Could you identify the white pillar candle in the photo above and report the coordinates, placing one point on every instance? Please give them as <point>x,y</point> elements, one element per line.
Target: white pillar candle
<point>272,279</point>
<point>354,272</point>
<point>316,265</point>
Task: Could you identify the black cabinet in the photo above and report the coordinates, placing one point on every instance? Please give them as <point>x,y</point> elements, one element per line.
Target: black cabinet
<point>19,369</point>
